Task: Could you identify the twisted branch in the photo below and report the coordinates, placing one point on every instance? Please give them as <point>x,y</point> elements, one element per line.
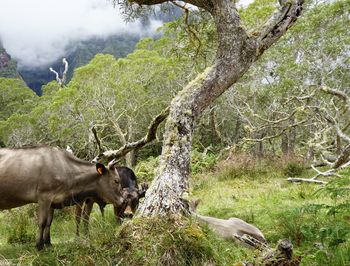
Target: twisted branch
<point>150,136</point>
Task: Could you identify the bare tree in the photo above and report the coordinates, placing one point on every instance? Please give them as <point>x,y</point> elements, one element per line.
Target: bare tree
<point>236,52</point>
<point>61,80</point>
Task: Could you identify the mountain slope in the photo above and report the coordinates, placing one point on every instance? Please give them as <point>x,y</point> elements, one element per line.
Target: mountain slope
<point>8,66</point>
<point>80,54</point>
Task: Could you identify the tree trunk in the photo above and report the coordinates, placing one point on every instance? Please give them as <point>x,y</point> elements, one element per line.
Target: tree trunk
<point>288,138</point>
<point>130,159</point>
<point>292,136</point>
<point>338,145</point>
<point>237,135</point>
<point>310,155</point>
<point>215,134</point>
<point>284,143</point>
<point>236,52</point>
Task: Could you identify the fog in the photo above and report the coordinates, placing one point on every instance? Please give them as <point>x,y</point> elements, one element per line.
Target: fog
<point>37,32</point>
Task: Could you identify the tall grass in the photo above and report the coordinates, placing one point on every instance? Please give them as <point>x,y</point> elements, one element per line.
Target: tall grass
<point>257,192</point>
<point>314,218</point>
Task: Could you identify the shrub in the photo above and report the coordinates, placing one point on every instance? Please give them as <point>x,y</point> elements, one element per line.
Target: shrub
<point>290,225</point>
<point>146,169</point>
<point>202,161</point>
<point>293,169</point>
<point>332,237</point>
<point>243,165</point>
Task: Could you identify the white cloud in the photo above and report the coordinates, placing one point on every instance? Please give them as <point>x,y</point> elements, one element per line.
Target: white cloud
<point>244,3</point>
<point>36,32</point>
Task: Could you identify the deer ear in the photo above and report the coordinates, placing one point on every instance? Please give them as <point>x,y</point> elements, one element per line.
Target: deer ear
<point>100,168</point>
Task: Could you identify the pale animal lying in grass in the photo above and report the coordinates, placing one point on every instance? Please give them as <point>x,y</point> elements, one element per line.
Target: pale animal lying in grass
<point>232,228</point>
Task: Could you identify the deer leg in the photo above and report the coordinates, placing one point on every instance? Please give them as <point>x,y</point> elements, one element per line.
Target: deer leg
<point>86,214</point>
<point>118,212</point>
<point>78,210</point>
<point>47,237</point>
<point>44,208</point>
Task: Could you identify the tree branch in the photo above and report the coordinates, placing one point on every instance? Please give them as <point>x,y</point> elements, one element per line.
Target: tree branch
<point>277,134</point>
<point>150,136</point>
<point>278,24</point>
<point>342,95</point>
<point>292,179</point>
<point>98,141</point>
<point>191,32</point>
<point>205,4</point>
<point>61,81</point>
<point>343,158</point>
<point>64,75</point>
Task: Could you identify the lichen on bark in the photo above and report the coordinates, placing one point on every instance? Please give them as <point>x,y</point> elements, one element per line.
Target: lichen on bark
<point>236,53</point>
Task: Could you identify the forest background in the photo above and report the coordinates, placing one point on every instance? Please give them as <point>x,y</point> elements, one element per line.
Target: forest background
<point>290,111</point>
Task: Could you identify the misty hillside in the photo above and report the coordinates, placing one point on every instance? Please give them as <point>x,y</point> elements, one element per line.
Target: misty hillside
<point>80,54</point>
<point>8,66</point>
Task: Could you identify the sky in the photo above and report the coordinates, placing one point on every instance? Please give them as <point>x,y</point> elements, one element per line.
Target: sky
<point>36,32</point>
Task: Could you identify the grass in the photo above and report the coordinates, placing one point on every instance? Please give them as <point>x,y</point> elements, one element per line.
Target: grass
<point>259,194</point>
<point>255,191</point>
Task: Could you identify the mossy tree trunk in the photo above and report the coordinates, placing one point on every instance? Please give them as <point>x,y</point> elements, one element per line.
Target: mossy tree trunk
<point>236,52</point>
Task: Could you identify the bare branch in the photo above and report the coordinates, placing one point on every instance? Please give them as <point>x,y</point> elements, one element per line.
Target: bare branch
<point>251,241</point>
<point>64,75</point>
<point>342,95</point>
<point>205,4</point>
<point>291,179</point>
<point>150,136</point>
<point>343,158</point>
<point>98,142</point>
<point>277,134</point>
<point>190,31</point>
<point>278,24</point>
<point>61,81</point>
<point>57,76</point>
<point>276,121</point>
<point>330,172</point>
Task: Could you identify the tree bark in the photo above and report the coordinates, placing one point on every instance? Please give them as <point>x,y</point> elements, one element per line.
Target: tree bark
<point>284,143</point>
<point>129,147</point>
<point>237,135</point>
<point>130,158</point>
<point>215,133</point>
<point>288,138</point>
<point>236,52</point>
<point>291,136</point>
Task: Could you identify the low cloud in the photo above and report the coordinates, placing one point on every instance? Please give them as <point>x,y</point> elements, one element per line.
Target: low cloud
<point>37,32</point>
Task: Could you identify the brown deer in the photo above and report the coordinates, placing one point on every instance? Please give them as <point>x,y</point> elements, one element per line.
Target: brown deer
<point>53,178</point>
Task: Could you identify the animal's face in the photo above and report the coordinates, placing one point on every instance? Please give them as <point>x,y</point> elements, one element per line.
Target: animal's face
<point>109,188</point>
<point>131,199</point>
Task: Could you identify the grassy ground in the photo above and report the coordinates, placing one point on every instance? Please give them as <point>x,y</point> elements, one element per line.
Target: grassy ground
<point>256,192</point>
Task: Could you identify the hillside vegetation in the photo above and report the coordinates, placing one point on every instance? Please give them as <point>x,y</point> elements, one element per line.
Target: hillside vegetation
<point>290,111</point>
<point>314,218</point>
